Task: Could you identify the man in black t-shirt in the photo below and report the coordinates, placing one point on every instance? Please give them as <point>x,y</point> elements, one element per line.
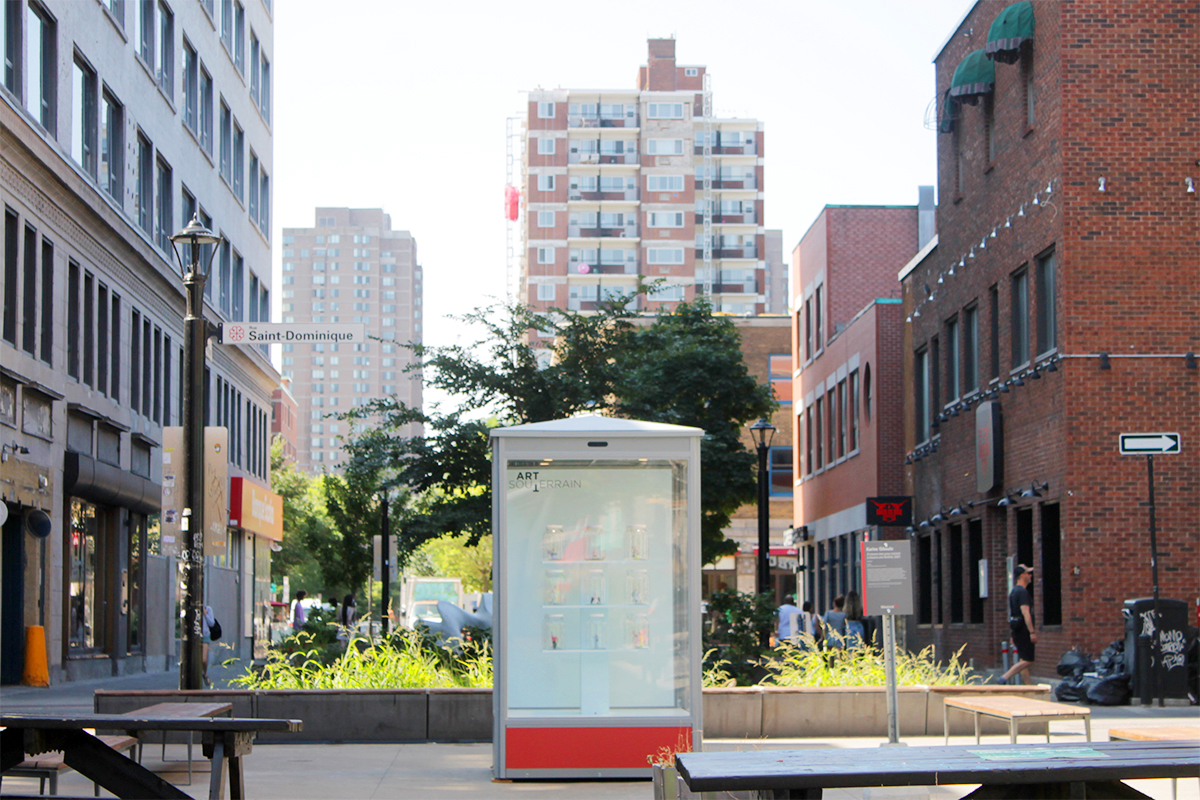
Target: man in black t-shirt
<point>1020,622</point>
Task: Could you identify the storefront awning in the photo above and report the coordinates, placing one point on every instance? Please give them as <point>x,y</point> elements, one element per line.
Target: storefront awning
<point>949,114</point>
<point>975,76</point>
<point>1011,29</point>
<point>253,508</point>
<point>88,479</point>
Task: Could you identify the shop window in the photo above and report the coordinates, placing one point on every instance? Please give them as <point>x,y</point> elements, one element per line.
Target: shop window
<point>956,574</point>
<point>1050,567</point>
<point>925,581</point>
<point>779,471</point>
<point>85,620</point>
<point>1025,536</point>
<point>974,555</point>
<point>779,367</point>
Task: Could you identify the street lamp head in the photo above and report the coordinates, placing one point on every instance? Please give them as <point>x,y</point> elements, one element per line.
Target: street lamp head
<point>763,431</point>
<point>195,233</point>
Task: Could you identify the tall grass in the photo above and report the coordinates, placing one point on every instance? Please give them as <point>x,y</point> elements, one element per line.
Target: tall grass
<point>399,663</point>
<point>802,664</point>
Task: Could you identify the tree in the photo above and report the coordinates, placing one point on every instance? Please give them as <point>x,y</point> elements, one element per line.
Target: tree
<point>453,558</point>
<point>683,367</point>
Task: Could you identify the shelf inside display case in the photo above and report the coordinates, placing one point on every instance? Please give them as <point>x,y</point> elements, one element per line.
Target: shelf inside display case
<point>595,584</point>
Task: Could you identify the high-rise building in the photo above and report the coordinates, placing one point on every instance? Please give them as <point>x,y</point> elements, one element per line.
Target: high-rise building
<point>350,267</point>
<point>119,122</point>
<point>644,182</point>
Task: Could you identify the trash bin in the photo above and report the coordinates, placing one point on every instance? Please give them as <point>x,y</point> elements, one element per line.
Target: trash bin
<point>1172,634</point>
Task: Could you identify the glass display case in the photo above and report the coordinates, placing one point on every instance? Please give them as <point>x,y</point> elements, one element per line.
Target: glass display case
<point>596,571</point>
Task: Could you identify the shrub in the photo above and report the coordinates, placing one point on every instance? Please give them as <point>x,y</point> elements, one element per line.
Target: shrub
<point>802,664</point>
<point>732,640</point>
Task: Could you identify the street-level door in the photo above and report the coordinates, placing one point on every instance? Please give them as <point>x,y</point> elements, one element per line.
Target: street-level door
<point>12,597</point>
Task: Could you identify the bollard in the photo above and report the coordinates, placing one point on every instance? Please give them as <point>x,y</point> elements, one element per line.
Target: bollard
<point>1004,654</point>
<point>36,673</point>
<point>1143,679</point>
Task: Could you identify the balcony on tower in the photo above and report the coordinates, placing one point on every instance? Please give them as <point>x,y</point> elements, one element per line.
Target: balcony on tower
<point>603,187</point>
<point>728,143</point>
<point>603,261</point>
<point>729,177</point>
<point>590,296</point>
<point>601,225</point>
<point>602,115</point>
<point>728,247</point>
<point>602,151</point>
<point>729,212</point>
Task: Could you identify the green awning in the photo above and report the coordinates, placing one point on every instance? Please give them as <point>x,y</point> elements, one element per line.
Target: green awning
<point>976,75</point>
<point>949,114</point>
<point>1012,28</point>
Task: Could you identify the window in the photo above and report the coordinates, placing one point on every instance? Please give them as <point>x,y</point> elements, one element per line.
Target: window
<point>227,25</point>
<point>143,38</point>
<point>867,392</point>
<point>239,159</point>
<point>779,368</point>
<point>666,293</point>
<point>545,110</point>
<point>135,361</point>
<point>664,255</point>
<point>921,394</point>
<point>779,471</point>
<point>666,219</point>
<point>239,37</point>
<point>254,66</point>
<point>664,147</point>
<point>206,111</point>
<point>545,292</point>
<point>952,359</point>
<point>112,146</point>
<point>819,416</point>
<point>808,441</point>
<point>1020,319</point>
<point>10,40</point>
<point>115,344</point>
<point>40,81</point>
<point>545,146</point>
<point>545,255</point>
<point>843,419</point>
<point>46,323</point>
<point>1027,83</point>
<point>166,51</point>
<point>817,328</point>
<point>970,349</point>
<point>545,219</point>
<point>83,108</point>
<point>994,314</point>
<point>264,203</point>
<point>545,183</point>
<point>264,93</point>
<point>165,203</point>
<point>225,161</point>
<point>1051,565</point>
<point>956,574</point>
<point>224,276</point>
<point>989,126</point>
<point>691,72</point>
<point>1047,319</point>
<point>253,204</point>
<point>238,294</point>
<point>831,426</point>
<point>664,111</point>
<point>808,340</point>
<point>73,330</point>
<point>664,183</point>
<point>191,86</point>
<point>143,199</point>
<point>853,408</point>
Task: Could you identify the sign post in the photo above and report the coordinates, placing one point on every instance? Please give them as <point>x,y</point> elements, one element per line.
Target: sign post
<point>285,332</point>
<point>888,590</point>
<point>1149,444</point>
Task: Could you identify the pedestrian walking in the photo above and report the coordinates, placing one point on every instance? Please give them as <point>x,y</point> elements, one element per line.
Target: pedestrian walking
<point>1020,623</point>
<point>835,623</point>
<point>298,612</point>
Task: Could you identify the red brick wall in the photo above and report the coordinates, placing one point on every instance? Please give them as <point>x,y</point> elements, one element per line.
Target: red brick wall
<point>1116,92</point>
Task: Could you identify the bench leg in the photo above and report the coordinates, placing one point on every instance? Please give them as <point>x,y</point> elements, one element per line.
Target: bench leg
<point>237,789</point>
<point>1087,726</point>
<point>977,727</point>
<point>216,781</point>
<point>1012,730</point>
<point>946,722</point>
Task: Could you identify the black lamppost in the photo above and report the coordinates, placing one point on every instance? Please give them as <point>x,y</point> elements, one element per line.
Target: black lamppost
<point>763,433</point>
<point>196,333</point>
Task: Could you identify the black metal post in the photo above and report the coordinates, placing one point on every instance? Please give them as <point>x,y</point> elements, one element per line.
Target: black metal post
<point>764,529</point>
<point>1156,643</point>
<point>191,666</point>
<point>385,571</point>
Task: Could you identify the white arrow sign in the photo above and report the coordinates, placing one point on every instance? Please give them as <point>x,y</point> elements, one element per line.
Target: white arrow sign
<point>1140,444</point>
<point>268,332</point>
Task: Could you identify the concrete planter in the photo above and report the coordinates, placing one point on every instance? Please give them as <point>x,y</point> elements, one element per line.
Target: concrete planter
<point>465,715</point>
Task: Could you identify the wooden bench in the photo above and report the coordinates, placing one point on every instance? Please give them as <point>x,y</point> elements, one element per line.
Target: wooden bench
<point>1164,734</point>
<point>1015,710</point>
<point>1038,770</point>
<point>180,710</point>
<point>226,740</point>
<point>48,766</point>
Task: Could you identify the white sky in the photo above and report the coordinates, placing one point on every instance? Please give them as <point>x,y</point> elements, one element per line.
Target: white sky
<point>402,105</point>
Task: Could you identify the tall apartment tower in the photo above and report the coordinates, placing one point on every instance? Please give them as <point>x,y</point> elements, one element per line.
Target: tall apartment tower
<point>645,182</point>
<point>119,121</point>
<point>350,267</point>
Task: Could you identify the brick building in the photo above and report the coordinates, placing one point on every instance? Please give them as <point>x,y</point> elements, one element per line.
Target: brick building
<point>285,418</point>
<point>1059,309</point>
<point>642,182</point>
<point>847,331</point>
<point>350,267</point>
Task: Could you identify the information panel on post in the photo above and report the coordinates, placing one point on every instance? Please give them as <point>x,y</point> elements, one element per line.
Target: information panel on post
<point>887,577</point>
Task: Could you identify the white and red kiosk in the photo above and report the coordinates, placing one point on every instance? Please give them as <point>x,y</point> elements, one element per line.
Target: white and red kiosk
<point>596,570</point>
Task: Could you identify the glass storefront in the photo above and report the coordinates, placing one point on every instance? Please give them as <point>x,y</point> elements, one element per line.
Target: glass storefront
<point>86,553</point>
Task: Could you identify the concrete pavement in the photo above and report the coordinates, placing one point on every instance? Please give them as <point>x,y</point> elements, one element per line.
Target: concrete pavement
<point>418,771</point>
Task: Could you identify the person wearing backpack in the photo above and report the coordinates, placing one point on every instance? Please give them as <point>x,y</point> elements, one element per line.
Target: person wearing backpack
<point>210,630</point>
<point>810,623</point>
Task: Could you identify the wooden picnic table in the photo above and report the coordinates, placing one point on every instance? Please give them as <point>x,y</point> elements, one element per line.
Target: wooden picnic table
<point>1014,710</point>
<point>180,710</point>
<point>1039,770</point>
<point>226,740</point>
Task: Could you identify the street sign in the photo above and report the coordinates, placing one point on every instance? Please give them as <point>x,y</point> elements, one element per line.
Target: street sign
<point>887,577</point>
<point>268,332</point>
<point>1149,444</point>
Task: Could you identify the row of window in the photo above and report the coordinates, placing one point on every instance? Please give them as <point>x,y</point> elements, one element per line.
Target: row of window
<point>332,238</point>
<point>830,425</point>
<point>949,365</point>
<point>249,427</point>
<point>334,266</point>
<point>548,110</point>
<point>320,294</point>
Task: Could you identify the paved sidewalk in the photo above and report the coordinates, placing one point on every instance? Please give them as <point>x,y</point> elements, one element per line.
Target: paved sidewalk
<point>418,771</point>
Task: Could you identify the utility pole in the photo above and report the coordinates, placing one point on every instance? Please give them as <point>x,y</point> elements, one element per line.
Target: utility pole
<point>385,572</point>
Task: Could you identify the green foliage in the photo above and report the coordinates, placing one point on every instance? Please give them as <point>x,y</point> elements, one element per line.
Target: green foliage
<point>803,664</point>
<point>715,671</point>
<point>307,529</point>
<point>685,367</point>
<point>405,661</point>
<point>452,557</point>
<point>733,640</point>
